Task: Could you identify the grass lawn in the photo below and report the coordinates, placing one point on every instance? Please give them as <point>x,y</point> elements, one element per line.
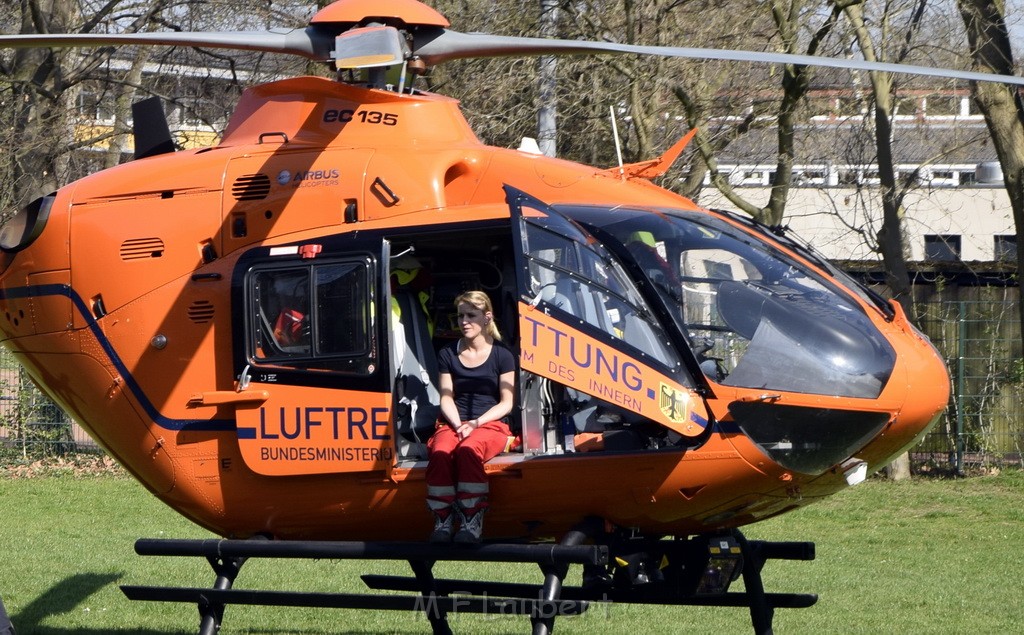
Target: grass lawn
<point>927,556</point>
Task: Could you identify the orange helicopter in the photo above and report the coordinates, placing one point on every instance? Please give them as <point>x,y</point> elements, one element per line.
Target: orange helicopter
<point>250,330</point>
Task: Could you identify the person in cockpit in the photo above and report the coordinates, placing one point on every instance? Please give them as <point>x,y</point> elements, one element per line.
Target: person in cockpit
<point>476,382</point>
<point>642,246</point>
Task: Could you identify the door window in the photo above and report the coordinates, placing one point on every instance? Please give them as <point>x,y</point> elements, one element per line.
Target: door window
<point>313,316</point>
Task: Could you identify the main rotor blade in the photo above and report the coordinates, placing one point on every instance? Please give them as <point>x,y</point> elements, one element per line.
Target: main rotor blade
<point>442,45</point>
<point>311,42</point>
<point>436,45</point>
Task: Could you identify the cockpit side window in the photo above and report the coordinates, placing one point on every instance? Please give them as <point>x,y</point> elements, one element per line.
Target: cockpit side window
<point>283,327</point>
<point>343,316</point>
<point>312,316</point>
<point>581,278</point>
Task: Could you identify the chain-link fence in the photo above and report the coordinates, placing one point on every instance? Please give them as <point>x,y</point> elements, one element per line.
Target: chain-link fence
<point>981,343</point>
<point>980,340</point>
<point>32,426</point>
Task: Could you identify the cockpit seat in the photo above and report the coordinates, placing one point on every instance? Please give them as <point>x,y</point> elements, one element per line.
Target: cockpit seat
<point>561,295</point>
<point>417,399</point>
<point>581,301</point>
<point>594,310</point>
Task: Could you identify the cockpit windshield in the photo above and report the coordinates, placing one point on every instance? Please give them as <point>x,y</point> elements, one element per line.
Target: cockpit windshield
<point>754,316</point>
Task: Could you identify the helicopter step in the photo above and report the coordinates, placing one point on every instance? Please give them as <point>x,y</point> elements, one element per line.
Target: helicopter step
<point>640,570</point>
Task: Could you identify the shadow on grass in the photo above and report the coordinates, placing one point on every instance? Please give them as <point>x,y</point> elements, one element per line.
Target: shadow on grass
<point>62,598</point>
<point>72,591</point>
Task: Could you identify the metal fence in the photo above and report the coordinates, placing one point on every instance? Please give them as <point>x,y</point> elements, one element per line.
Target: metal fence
<point>981,342</point>
<point>979,338</point>
<point>32,426</point>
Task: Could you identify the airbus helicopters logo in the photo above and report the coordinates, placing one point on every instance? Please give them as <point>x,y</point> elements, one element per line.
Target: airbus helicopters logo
<point>309,178</point>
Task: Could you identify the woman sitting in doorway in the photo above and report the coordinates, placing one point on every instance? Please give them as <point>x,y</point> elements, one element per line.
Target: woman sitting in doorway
<point>476,381</point>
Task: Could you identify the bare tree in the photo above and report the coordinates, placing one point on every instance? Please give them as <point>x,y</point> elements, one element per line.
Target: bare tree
<point>1000,103</point>
<point>498,96</point>
<point>34,101</point>
<point>891,235</point>
<point>53,98</point>
<point>790,19</point>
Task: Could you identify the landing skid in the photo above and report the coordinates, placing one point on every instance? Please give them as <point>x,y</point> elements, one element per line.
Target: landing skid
<point>644,571</point>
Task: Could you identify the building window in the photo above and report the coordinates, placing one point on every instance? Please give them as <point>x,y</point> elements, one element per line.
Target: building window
<point>95,107</point>
<point>1004,248</point>
<point>942,247</point>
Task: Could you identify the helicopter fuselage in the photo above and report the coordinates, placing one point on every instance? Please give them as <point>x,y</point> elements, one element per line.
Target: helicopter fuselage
<point>152,302</point>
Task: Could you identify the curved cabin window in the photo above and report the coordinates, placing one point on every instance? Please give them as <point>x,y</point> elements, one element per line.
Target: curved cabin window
<point>761,319</point>
<point>312,316</point>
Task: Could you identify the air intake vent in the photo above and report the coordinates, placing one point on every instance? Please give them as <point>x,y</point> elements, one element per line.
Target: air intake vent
<point>251,187</point>
<point>200,311</point>
<point>141,248</point>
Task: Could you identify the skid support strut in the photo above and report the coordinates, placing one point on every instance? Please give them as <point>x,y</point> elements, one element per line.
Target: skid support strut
<point>755,554</point>
<point>436,614</point>
<point>211,614</point>
<point>554,575</point>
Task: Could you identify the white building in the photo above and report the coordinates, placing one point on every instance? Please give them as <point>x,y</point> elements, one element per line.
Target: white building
<point>952,216</point>
<point>958,210</point>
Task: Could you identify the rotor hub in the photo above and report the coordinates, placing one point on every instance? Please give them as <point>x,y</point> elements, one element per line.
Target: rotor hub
<point>397,13</point>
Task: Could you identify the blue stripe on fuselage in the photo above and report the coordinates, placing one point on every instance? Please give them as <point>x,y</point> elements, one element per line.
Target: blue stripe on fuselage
<point>43,290</point>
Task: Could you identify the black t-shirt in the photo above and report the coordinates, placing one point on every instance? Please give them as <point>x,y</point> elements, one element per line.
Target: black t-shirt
<point>476,389</point>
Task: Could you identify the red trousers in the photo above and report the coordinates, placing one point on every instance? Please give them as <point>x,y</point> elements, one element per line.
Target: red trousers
<point>455,469</point>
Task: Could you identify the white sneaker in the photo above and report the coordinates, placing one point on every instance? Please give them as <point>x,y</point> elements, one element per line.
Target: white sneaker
<point>472,528</point>
<point>442,528</point>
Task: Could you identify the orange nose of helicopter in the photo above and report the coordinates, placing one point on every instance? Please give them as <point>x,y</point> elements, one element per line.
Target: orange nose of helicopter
<point>803,362</point>
<point>924,380</point>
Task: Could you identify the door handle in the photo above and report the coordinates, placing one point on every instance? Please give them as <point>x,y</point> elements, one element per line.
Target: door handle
<point>221,397</point>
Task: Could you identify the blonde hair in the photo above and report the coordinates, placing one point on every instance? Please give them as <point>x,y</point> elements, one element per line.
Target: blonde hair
<point>482,301</point>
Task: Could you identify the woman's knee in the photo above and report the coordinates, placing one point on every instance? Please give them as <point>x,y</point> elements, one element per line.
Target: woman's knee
<point>445,455</point>
<point>466,450</point>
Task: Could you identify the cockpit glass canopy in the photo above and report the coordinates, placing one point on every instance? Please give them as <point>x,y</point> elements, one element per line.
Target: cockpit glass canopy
<point>755,316</point>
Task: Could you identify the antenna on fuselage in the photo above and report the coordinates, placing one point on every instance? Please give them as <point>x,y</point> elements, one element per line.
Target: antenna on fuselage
<point>618,146</point>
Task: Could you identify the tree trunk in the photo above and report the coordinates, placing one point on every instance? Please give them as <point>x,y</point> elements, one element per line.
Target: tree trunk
<point>891,234</point>
<point>1000,104</point>
<point>547,80</point>
<point>899,469</point>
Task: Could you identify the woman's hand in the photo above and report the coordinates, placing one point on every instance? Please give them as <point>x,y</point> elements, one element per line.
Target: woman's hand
<point>466,428</point>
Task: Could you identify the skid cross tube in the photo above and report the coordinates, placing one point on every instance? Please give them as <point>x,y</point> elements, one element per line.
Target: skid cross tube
<point>521,590</point>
